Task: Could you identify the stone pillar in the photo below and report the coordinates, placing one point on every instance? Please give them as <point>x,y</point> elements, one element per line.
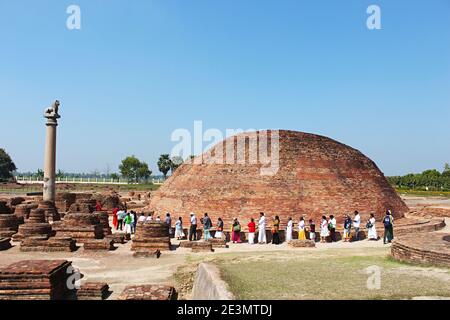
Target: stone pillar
<point>52,116</point>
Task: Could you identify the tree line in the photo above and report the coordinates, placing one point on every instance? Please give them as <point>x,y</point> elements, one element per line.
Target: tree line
<point>432,180</point>
<point>131,168</point>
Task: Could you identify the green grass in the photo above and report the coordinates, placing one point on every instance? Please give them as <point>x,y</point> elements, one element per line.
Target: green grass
<point>423,193</point>
<point>330,274</point>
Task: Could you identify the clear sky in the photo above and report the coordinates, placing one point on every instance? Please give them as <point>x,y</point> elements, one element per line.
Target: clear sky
<point>138,70</point>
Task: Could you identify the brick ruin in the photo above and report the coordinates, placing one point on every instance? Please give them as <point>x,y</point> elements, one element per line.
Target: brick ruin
<point>316,176</point>
<point>423,248</point>
<point>35,280</point>
<point>9,223</point>
<point>151,237</point>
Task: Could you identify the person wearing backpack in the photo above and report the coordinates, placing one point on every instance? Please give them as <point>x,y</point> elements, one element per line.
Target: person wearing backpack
<point>236,231</point>
<point>276,231</point>
<point>347,228</point>
<point>207,225</point>
<point>388,222</point>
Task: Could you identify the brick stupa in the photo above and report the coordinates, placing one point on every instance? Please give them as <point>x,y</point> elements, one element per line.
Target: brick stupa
<point>315,175</point>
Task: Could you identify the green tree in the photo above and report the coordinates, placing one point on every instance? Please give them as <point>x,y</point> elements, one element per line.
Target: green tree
<point>134,170</point>
<point>39,174</point>
<point>114,177</point>
<point>446,172</point>
<point>176,162</point>
<point>129,168</point>
<point>7,166</point>
<point>164,164</point>
<point>143,172</point>
<point>60,174</point>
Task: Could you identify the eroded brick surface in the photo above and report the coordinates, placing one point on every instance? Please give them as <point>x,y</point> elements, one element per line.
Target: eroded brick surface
<point>316,175</point>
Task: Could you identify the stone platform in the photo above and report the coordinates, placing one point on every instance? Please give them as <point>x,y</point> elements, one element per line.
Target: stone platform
<point>99,245</point>
<point>148,292</point>
<point>35,280</point>
<point>218,243</point>
<point>423,248</point>
<point>80,226</point>
<point>202,246</point>
<point>93,291</point>
<point>43,244</point>
<point>151,236</point>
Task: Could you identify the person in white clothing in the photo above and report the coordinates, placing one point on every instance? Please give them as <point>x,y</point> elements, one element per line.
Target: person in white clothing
<point>372,228</point>
<point>141,218</point>
<point>149,217</point>
<point>357,225</point>
<point>324,232</point>
<point>262,229</point>
<point>290,227</point>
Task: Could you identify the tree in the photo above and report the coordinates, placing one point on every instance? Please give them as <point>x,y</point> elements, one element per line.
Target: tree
<point>176,162</point>
<point>39,174</point>
<point>7,166</point>
<point>134,170</point>
<point>446,172</point>
<point>60,174</point>
<point>143,172</point>
<point>164,164</point>
<point>114,177</point>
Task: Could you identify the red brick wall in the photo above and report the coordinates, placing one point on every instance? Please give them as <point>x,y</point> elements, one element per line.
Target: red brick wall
<point>317,175</point>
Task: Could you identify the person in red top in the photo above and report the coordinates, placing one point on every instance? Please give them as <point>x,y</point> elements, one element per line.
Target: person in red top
<point>115,220</point>
<point>98,206</point>
<point>251,231</point>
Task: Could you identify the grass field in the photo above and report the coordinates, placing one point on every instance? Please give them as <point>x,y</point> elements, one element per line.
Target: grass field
<point>327,274</point>
<point>423,193</point>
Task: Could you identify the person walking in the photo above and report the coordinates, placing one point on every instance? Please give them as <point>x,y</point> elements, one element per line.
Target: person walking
<point>262,238</point>
<point>388,222</point>
<point>120,216</point>
<point>207,225</point>
<point>115,220</point>
<point>168,221</point>
<point>251,231</point>
<point>372,230</point>
<point>236,231</point>
<point>302,229</point>
<point>141,218</point>
<point>289,229</point>
<point>347,228</point>
<point>276,231</point>
<point>127,221</point>
<point>193,228</point>
<point>149,217</point>
<point>357,225</point>
<point>134,220</point>
<point>219,229</point>
<point>324,232</point>
<point>98,206</point>
<point>332,227</point>
<point>179,234</point>
<point>312,230</point>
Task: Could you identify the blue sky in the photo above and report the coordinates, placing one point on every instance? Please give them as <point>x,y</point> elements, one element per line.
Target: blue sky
<point>138,70</point>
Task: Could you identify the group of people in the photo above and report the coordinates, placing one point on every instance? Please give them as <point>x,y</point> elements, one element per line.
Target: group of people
<point>127,221</point>
<point>328,226</point>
